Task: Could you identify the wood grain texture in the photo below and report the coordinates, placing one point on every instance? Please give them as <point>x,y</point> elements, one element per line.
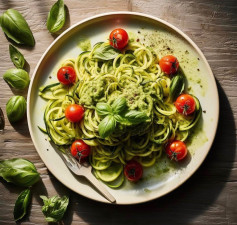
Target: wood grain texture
<point>210,196</point>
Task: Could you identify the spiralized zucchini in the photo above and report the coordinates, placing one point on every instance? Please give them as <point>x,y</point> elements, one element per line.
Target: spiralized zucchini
<point>134,74</point>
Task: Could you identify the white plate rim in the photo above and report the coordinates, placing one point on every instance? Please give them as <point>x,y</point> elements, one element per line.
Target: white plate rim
<point>159,21</point>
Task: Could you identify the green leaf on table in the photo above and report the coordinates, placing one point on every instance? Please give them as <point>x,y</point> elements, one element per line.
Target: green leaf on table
<point>19,172</point>
<point>56,17</point>
<point>16,28</point>
<point>105,51</point>
<point>107,126</point>
<point>22,204</point>
<point>16,108</point>
<point>17,78</point>
<point>16,57</point>
<point>54,207</point>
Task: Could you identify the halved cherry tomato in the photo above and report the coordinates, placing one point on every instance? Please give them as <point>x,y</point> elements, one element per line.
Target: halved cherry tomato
<point>185,104</point>
<point>74,113</point>
<point>80,150</point>
<point>133,170</point>
<point>66,75</point>
<point>169,64</point>
<point>176,150</point>
<point>118,38</point>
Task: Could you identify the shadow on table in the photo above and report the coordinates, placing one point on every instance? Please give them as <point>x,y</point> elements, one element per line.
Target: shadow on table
<point>184,204</point>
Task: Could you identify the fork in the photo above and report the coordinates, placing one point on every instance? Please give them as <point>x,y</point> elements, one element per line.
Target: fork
<point>84,170</point>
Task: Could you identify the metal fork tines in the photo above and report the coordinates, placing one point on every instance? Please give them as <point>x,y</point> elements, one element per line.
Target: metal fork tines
<point>85,171</point>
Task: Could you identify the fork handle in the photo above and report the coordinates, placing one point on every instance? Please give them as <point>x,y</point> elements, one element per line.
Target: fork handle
<point>100,187</point>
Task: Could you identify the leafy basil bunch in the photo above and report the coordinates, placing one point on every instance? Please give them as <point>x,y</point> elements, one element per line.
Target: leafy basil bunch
<point>19,172</point>
<point>22,204</point>
<point>118,112</point>
<point>56,17</point>
<point>176,86</point>
<point>105,51</point>
<point>16,57</point>
<point>17,78</point>
<point>54,207</point>
<point>16,108</point>
<point>16,28</point>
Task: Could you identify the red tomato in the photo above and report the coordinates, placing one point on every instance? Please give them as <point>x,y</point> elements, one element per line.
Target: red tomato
<point>80,150</point>
<point>169,64</point>
<point>176,150</point>
<point>185,104</point>
<point>66,75</point>
<point>133,170</point>
<point>118,38</point>
<point>74,113</point>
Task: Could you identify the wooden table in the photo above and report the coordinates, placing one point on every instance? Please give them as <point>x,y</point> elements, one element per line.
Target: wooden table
<point>210,196</point>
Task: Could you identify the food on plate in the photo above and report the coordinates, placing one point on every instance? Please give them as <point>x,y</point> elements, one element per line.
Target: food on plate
<point>135,107</point>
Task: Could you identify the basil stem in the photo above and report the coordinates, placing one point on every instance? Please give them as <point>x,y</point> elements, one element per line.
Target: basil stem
<point>16,108</point>
<point>16,57</point>
<point>17,78</point>
<point>16,28</point>
<point>22,204</point>
<point>56,17</point>
<point>54,208</point>
<point>19,172</point>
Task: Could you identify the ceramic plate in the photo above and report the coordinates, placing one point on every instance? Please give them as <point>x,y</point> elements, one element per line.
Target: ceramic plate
<point>165,39</point>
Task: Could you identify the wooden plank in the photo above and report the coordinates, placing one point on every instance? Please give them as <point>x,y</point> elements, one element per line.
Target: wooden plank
<point>210,196</point>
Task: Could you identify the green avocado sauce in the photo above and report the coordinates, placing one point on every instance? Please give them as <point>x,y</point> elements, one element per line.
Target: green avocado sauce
<point>84,44</point>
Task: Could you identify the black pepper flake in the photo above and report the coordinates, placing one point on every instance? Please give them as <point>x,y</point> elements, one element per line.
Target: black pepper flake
<point>198,59</point>
<point>47,149</point>
<point>168,48</point>
<point>138,40</point>
<point>186,52</point>
<point>139,32</point>
<point>204,111</point>
<point>198,69</point>
<point>50,77</point>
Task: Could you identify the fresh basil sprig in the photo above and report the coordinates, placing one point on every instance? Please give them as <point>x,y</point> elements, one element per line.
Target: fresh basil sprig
<point>105,51</point>
<point>118,112</point>
<point>16,28</point>
<point>56,17</point>
<point>22,204</point>
<point>16,108</point>
<point>54,207</point>
<point>19,172</point>
<point>17,78</point>
<point>176,86</point>
<point>16,57</point>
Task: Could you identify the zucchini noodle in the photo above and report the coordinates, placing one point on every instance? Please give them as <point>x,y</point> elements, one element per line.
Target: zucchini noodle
<point>135,75</point>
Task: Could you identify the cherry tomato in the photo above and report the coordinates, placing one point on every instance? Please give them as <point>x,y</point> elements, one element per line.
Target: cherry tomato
<point>66,75</point>
<point>80,150</point>
<point>133,170</point>
<point>176,150</point>
<point>118,38</point>
<point>169,64</point>
<point>74,113</point>
<point>185,104</point>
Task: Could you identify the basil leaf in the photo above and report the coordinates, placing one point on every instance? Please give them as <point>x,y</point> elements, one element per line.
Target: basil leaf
<point>2,120</point>
<point>107,126</point>
<point>17,78</point>
<point>54,208</point>
<point>56,17</point>
<point>22,204</point>
<point>119,105</point>
<point>105,51</point>
<point>16,57</point>
<point>16,108</point>
<point>19,172</point>
<point>136,117</point>
<point>16,28</point>
<point>103,109</point>
<point>176,87</point>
